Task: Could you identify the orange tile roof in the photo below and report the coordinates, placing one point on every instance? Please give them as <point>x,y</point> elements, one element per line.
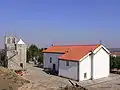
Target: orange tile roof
<point>71,52</point>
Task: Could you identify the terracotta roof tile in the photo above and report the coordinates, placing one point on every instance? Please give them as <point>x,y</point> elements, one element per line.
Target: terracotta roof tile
<point>71,52</point>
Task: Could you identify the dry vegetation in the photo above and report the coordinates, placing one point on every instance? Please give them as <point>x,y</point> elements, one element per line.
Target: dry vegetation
<point>10,80</point>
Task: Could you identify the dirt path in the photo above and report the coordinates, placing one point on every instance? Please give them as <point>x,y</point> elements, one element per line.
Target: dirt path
<point>39,80</point>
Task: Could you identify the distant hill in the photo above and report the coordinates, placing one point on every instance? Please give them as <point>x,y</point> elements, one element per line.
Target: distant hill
<point>114,49</point>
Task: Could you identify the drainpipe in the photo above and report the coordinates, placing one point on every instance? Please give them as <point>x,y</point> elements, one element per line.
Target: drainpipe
<point>91,57</point>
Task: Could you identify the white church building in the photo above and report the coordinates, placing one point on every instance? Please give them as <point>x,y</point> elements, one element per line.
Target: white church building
<point>78,62</point>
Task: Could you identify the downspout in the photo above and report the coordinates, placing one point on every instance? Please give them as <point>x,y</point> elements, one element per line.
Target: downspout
<point>91,57</point>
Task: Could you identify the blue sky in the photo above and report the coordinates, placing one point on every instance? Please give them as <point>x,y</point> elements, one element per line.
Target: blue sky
<point>47,22</point>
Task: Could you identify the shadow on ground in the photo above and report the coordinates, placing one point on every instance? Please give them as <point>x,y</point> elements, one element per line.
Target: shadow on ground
<point>39,66</point>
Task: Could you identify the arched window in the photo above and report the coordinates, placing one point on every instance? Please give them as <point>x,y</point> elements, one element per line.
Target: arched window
<point>13,40</point>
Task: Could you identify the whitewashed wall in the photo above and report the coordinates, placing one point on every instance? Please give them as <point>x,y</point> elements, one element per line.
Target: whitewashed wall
<point>70,71</point>
<point>54,57</point>
<point>101,64</point>
<point>85,67</point>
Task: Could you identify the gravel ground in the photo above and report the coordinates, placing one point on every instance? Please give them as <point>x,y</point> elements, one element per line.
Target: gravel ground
<point>39,80</point>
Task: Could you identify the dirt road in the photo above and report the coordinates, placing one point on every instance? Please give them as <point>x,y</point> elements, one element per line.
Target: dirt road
<point>39,80</point>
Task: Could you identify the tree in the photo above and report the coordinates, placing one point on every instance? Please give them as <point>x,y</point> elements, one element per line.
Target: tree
<point>34,53</point>
<point>2,58</point>
<point>40,59</point>
<point>29,56</point>
<point>115,62</point>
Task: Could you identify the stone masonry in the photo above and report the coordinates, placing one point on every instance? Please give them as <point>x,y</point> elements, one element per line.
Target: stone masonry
<point>15,53</point>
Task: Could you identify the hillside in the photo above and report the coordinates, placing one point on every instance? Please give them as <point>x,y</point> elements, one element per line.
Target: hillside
<point>114,49</point>
<point>10,80</point>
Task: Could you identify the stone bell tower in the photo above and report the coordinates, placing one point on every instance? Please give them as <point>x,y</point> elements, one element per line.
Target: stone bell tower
<point>15,53</point>
<point>21,48</point>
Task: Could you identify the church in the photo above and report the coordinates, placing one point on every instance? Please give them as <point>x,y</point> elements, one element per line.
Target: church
<point>78,62</point>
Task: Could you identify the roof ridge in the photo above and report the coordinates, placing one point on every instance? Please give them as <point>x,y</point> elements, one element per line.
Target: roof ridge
<point>79,45</point>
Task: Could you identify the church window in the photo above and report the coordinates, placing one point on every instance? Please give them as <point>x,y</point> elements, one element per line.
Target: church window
<point>21,65</point>
<point>85,75</point>
<point>13,40</point>
<point>50,59</point>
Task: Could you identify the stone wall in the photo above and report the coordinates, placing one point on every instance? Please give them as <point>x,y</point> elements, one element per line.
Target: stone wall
<point>15,53</point>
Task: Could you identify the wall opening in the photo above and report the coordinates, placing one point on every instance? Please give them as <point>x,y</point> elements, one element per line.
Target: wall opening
<point>50,59</point>
<point>13,40</point>
<point>67,63</point>
<point>85,75</point>
<point>21,65</point>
